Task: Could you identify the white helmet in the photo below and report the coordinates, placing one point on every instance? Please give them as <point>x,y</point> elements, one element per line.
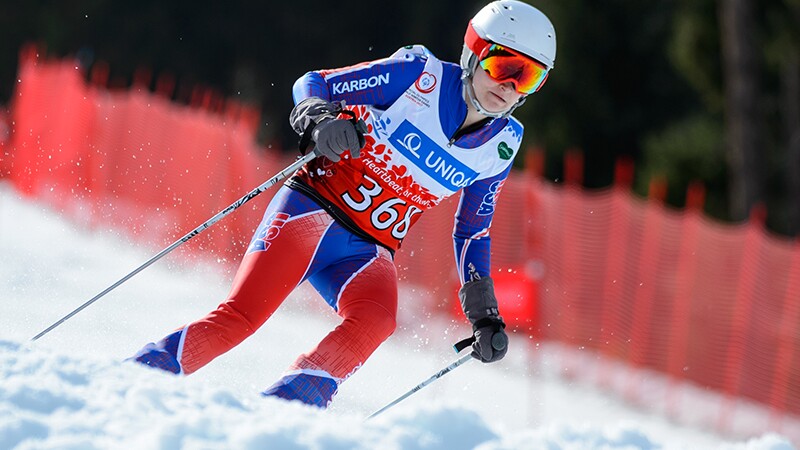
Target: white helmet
<point>513,24</point>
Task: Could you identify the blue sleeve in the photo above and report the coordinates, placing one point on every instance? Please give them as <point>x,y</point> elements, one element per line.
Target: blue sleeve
<point>377,83</point>
<point>473,219</point>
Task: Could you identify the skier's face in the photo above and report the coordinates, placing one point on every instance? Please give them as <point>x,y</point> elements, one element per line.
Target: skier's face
<point>494,97</point>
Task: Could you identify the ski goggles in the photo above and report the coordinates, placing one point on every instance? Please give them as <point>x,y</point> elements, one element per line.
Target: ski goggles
<point>504,64</point>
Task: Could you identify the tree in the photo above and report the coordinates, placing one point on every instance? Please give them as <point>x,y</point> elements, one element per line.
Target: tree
<point>741,81</point>
<point>786,55</point>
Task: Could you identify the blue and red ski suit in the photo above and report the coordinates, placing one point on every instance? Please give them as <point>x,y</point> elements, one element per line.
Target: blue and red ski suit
<point>338,225</point>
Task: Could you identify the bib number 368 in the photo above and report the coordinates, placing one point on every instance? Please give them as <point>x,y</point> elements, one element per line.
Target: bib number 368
<point>393,212</point>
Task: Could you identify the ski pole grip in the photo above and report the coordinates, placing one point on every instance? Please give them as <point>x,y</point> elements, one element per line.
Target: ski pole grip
<point>361,126</point>
<point>499,341</point>
<point>358,123</point>
<point>464,343</point>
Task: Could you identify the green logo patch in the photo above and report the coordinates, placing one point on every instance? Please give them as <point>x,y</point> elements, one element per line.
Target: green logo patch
<point>504,151</point>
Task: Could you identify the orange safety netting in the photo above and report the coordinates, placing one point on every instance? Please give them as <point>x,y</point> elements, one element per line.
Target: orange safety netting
<point>639,283</point>
<point>672,291</point>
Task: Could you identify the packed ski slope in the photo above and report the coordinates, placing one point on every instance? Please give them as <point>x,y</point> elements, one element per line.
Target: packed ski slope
<point>71,390</point>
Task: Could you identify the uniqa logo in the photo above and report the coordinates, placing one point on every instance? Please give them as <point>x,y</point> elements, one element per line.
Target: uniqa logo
<point>412,142</point>
<point>436,162</point>
<point>438,165</point>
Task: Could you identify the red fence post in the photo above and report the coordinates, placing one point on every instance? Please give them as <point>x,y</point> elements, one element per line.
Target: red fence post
<point>100,73</point>
<point>573,166</point>
<point>613,340</point>
<point>657,189</point>
<point>740,323</point>
<point>22,161</point>
<point>534,162</point>
<point>571,204</point>
<point>142,78</point>
<point>549,196</point>
<point>533,238</point>
<point>781,399</point>
<point>165,85</point>
<point>645,288</point>
<point>624,170</point>
<point>685,286</point>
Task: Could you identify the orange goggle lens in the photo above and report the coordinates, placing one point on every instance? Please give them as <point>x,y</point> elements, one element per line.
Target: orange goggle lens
<point>504,64</point>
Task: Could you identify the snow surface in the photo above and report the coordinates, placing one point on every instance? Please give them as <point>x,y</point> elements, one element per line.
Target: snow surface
<point>71,390</point>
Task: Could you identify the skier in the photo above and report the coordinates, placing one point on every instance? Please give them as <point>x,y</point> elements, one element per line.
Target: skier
<point>433,129</point>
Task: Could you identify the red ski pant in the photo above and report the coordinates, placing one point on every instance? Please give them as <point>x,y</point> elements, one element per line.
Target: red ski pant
<point>299,241</point>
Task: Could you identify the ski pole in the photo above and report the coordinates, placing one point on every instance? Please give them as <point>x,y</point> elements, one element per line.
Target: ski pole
<point>499,342</point>
<point>430,380</point>
<point>235,205</point>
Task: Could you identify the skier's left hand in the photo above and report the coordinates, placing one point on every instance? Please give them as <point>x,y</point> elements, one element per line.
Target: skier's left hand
<point>491,340</point>
<point>480,307</point>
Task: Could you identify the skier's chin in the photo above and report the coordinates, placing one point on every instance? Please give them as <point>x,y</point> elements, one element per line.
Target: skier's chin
<point>495,109</point>
<point>493,104</point>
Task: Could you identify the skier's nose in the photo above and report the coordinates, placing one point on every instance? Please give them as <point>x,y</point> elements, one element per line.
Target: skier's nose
<point>507,86</point>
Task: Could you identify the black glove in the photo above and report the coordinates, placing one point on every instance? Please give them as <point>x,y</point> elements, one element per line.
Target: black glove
<point>480,306</point>
<point>316,119</point>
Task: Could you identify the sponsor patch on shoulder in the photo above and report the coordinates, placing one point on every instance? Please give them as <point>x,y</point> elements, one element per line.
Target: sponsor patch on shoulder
<point>504,151</point>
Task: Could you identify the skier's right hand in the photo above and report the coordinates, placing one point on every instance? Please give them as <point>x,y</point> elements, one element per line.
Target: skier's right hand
<point>335,136</point>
